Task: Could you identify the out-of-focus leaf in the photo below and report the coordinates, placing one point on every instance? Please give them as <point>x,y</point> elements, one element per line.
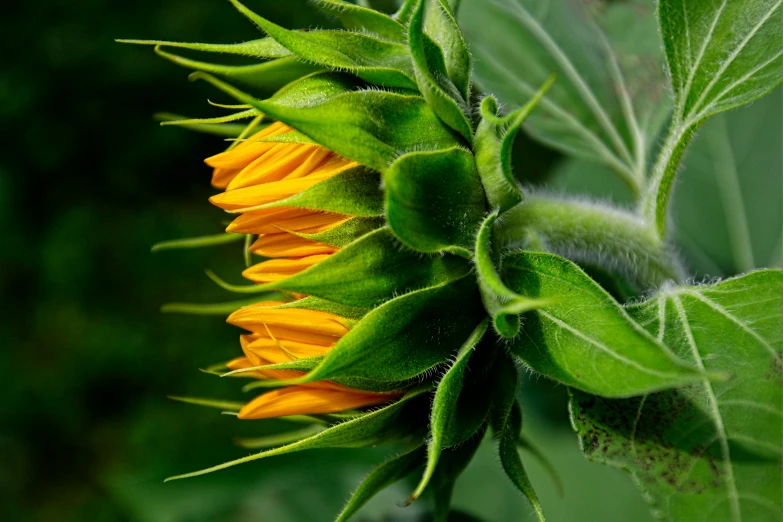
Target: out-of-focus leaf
<point>710,451</point>
<point>727,199</point>
<point>372,270</point>
<point>386,474</point>
<point>720,55</point>
<point>375,60</point>
<point>584,338</point>
<point>383,425</point>
<point>590,111</point>
<point>444,406</point>
<point>432,77</point>
<point>434,200</point>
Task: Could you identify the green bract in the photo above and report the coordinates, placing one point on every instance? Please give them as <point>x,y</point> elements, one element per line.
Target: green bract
<point>449,271</point>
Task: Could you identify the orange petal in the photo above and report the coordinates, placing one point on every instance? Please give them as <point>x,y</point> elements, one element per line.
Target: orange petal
<point>271,221</point>
<point>258,318</point>
<point>306,400</point>
<point>284,160</point>
<point>289,245</point>
<point>265,193</point>
<point>278,269</point>
<point>246,151</point>
<point>269,349</point>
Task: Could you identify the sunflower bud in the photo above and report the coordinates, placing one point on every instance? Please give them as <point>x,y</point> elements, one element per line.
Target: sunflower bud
<point>372,192</point>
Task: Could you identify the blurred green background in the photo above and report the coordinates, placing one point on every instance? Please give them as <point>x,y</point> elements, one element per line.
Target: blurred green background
<point>88,182</point>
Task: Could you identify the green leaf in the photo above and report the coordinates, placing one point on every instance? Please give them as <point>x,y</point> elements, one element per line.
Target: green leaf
<point>584,338</point>
<point>407,336</point>
<point>712,450</point>
<point>210,403</point>
<point>197,242</point>
<point>506,420</point>
<point>373,270</point>
<point>590,110</point>
<point>433,79</point>
<point>441,25</point>
<point>261,48</point>
<point>720,55</point>
<point>279,439</point>
<point>345,233</point>
<point>494,140</point>
<point>322,305</point>
<point>227,130</point>
<point>451,464</point>
<point>726,203</point>
<point>434,200</point>
<point>502,303</point>
<point>444,406</point>
<point>375,60</point>
<point>357,18</point>
<point>223,309</point>
<point>267,75</point>
<point>382,425</point>
<point>355,192</point>
<point>371,127</point>
<point>383,476</point>
<point>242,115</point>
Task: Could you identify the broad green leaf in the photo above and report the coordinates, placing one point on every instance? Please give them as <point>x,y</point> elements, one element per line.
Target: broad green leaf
<point>444,406</point>
<point>407,336</point>
<point>433,79</point>
<point>267,75</point>
<point>355,192</point>
<point>502,303</point>
<point>584,338</point>
<point>441,25</point>
<point>345,233</point>
<point>720,54</point>
<point>710,451</point>
<point>261,48</point>
<point>371,127</point>
<point>382,425</point>
<point>590,111</point>
<point>197,242</point>
<point>726,205</point>
<point>506,420</point>
<point>451,464</point>
<point>434,200</point>
<point>375,60</point>
<point>372,270</point>
<point>383,476</point>
<point>358,18</point>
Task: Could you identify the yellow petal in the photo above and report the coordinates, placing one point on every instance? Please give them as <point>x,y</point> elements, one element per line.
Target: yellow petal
<point>278,269</point>
<point>265,193</point>
<point>257,318</point>
<point>272,220</point>
<point>307,400</point>
<point>289,245</point>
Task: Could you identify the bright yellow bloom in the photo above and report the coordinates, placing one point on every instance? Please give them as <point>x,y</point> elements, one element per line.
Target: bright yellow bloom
<point>255,173</point>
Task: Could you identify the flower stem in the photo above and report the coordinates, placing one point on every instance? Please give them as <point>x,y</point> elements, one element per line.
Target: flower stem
<point>614,239</point>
